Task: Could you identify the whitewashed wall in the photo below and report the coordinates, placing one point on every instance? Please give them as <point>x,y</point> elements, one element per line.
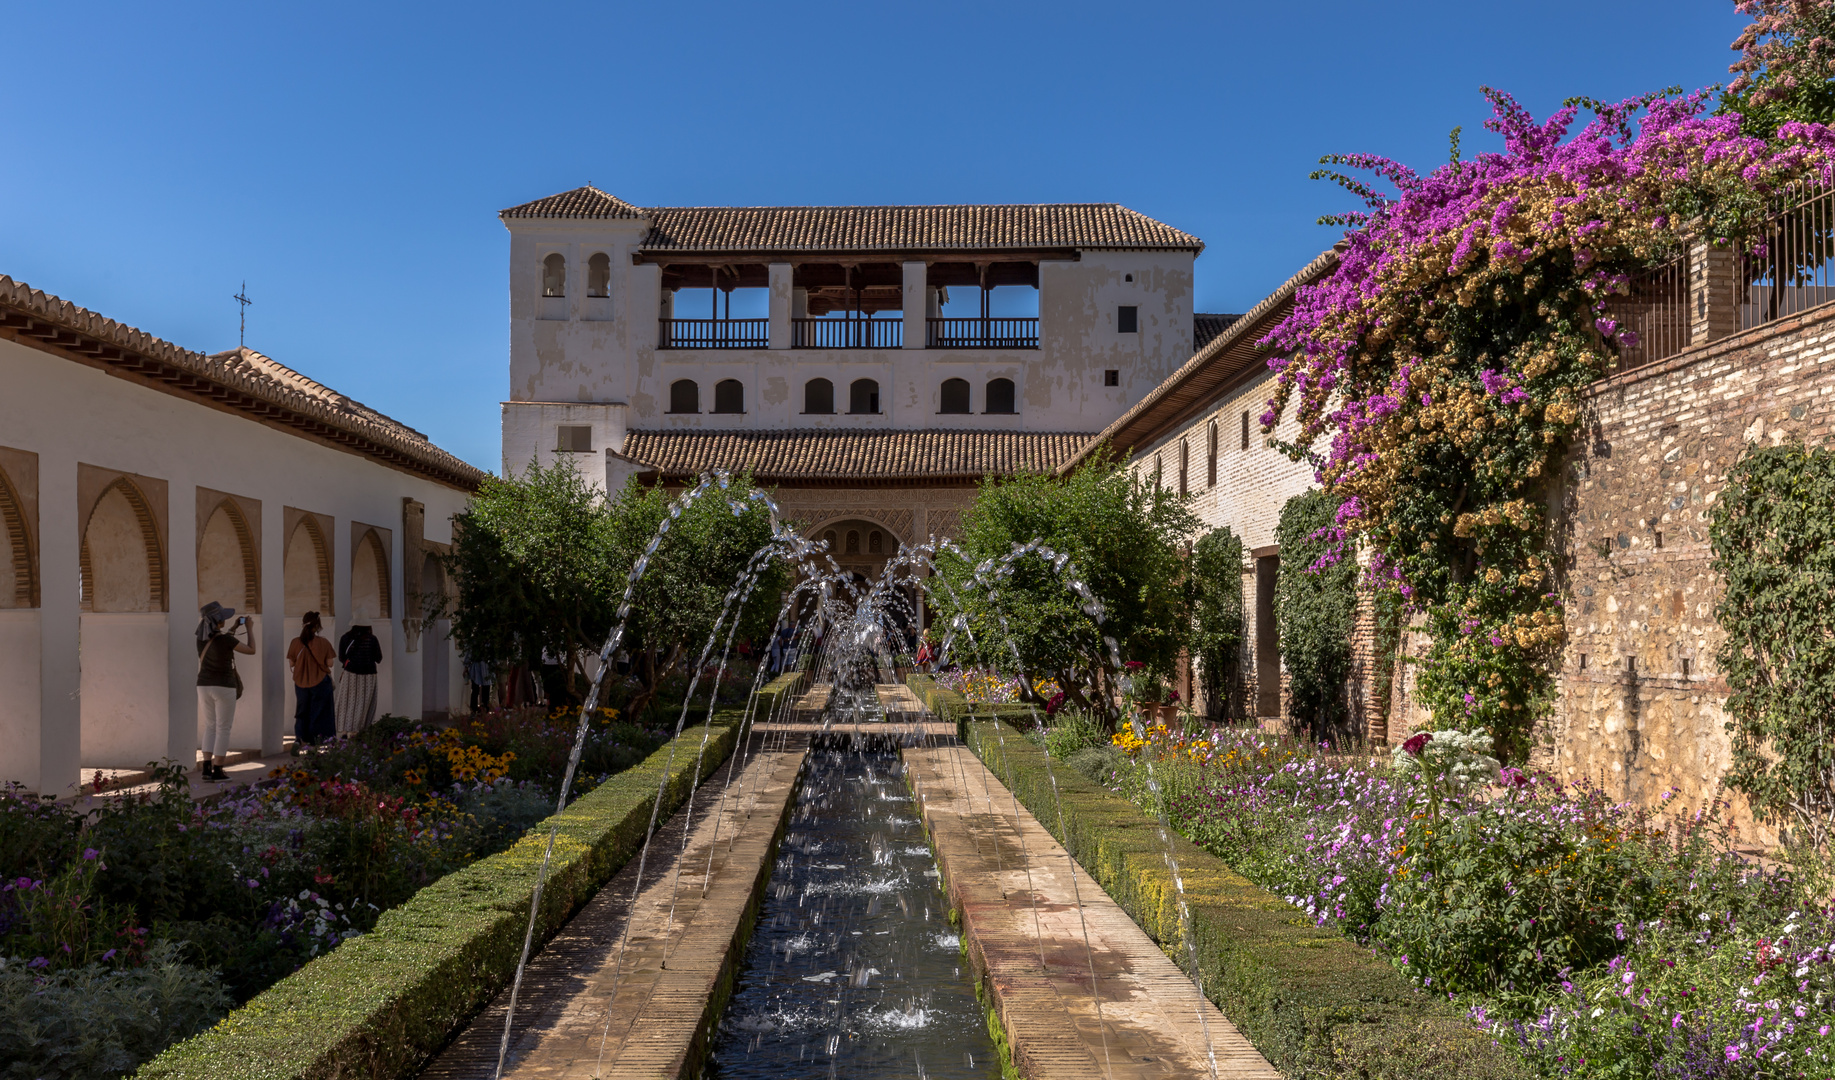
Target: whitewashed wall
<point>116,689</point>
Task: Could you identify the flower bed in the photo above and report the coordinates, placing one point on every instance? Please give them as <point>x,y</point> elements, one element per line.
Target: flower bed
<point>227,896</point>
<point>1315,1004</point>
<point>1595,939</point>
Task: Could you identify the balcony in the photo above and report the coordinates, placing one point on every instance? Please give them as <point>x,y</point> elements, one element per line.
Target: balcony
<point>714,334</point>
<point>847,333</point>
<point>983,333</point>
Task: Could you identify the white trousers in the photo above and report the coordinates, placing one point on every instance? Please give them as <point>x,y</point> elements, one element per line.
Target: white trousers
<point>217,707</point>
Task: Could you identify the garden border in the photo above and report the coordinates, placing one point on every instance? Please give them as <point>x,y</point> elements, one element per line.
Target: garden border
<point>379,1005</point>
<point>1311,1000</point>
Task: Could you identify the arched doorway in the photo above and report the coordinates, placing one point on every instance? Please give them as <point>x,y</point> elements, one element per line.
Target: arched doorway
<point>371,604</point>
<point>862,547</point>
<point>229,572</point>
<point>122,639</point>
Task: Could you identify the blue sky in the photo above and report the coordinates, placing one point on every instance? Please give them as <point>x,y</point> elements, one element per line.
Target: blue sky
<point>348,160</point>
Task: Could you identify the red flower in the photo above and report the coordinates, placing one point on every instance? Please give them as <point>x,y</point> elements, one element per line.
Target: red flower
<point>1134,665</point>
<point>1417,744</point>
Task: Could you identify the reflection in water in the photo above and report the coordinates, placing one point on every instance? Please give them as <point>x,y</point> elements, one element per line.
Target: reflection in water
<point>853,970</point>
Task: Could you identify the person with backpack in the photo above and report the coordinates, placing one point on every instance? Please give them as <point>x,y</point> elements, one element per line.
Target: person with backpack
<point>359,651</point>
<point>218,683</point>
<point>311,656</point>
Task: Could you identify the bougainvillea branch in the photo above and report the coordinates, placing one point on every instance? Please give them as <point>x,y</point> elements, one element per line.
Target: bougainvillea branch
<point>1445,356</point>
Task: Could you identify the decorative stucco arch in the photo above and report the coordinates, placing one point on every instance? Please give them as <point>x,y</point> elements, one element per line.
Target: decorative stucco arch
<point>123,566</point>
<point>369,577</point>
<point>307,567</point>
<point>229,570</point>
<point>22,561</point>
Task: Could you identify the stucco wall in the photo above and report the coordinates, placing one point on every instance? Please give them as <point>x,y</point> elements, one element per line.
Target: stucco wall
<point>176,445</point>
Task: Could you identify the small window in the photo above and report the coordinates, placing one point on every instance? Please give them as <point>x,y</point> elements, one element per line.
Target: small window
<point>599,275</point>
<point>684,396</point>
<point>1111,377</point>
<point>1000,395</point>
<point>729,396</point>
<point>575,440</point>
<point>876,544</point>
<point>1245,431</point>
<point>829,539</point>
<point>1159,472</point>
<point>955,396</point>
<point>818,397</point>
<point>853,541</point>
<point>1184,468</point>
<point>1129,278</point>
<point>1211,454</point>
<point>1127,319</point>
<point>554,276</point>
<point>863,396</point>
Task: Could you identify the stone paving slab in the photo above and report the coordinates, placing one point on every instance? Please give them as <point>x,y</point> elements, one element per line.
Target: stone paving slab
<point>650,1011</point>
<point>1017,890</point>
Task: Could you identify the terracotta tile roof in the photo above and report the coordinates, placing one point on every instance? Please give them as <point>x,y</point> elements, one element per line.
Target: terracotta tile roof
<point>788,229</point>
<point>581,202</point>
<point>1205,327</point>
<point>828,455</point>
<point>241,380</point>
<point>1211,371</point>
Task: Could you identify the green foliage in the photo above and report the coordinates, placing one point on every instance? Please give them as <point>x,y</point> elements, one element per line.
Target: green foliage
<point>379,1004</point>
<point>1124,539</point>
<point>1315,610</point>
<point>541,563</point>
<point>1071,731</point>
<point>532,561</point>
<point>687,579</point>
<point>1313,1002</point>
<point>1773,537</point>
<point>96,1022</point>
<point>1215,587</point>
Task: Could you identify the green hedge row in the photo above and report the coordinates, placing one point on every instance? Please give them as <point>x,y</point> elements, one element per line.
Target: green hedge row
<point>379,1005</point>
<point>1315,1003</point>
<point>948,705</point>
<point>770,697</point>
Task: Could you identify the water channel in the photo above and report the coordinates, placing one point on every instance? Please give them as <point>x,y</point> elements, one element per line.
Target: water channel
<point>854,968</point>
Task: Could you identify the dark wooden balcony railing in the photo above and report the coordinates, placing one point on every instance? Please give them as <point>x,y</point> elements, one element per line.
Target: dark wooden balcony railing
<point>990,333</point>
<point>714,334</point>
<point>847,333</point>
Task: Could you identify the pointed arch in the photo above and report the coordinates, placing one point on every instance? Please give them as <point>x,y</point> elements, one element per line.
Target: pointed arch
<point>103,573</point>
<point>248,591</point>
<point>369,578</point>
<point>307,569</point>
<point>19,542</point>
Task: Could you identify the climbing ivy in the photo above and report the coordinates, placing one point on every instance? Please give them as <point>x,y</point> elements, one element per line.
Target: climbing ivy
<point>1773,537</point>
<point>1315,606</point>
<point>1215,584</point>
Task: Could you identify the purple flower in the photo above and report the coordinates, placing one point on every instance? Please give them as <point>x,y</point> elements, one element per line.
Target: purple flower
<point>109,955</point>
<point>39,962</point>
<point>1732,1052</point>
<point>89,854</point>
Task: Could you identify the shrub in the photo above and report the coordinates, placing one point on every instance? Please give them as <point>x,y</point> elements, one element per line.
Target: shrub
<point>1315,608</point>
<point>96,1021</point>
<point>1215,585</point>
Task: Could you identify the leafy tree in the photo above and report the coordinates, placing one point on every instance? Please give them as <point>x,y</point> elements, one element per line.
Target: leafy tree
<point>1786,66</point>
<point>1773,537</point>
<point>541,563</point>
<point>1122,536</point>
<point>1315,607</point>
<point>532,559</point>
<point>685,584</point>
<point>1215,589</point>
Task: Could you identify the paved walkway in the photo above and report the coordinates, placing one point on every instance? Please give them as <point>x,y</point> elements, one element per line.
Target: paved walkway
<point>651,1012</point>
<point>1013,884</point>
<point>245,767</point>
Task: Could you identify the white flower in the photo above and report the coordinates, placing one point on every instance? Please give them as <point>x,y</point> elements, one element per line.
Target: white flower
<point>1597,1013</point>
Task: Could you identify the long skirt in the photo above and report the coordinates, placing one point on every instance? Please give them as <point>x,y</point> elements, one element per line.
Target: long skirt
<point>312,720</point>
<point>356,702</point>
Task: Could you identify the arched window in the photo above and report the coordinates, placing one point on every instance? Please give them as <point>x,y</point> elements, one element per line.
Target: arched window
<point>876,543</point>
<point>863,397</point>
<point>955,396</point>
<point>853,541</point>
<point>554,276</point>
<point>1000,395</point>
<point>729,396</point>
<point>599,275</point>
<point>1211,454</point>
<point>1184,468</point>
<point>829,538</point>
<point>684,396</point>
<point>818,396</point>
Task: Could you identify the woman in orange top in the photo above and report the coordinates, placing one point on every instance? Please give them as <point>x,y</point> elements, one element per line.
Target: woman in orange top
<point>311,656</point>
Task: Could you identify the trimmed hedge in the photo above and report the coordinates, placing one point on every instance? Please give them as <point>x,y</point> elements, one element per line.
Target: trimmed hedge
<point>379,1005</point>
<point>1315,1003</point>
<point>770,696</point>
<point>946,704</point>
